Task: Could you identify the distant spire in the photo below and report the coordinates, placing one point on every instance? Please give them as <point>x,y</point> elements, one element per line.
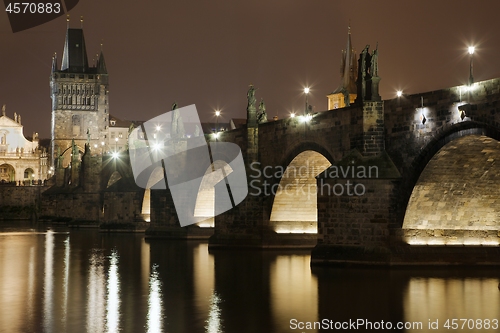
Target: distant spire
<point>348,67</point>
<point>349,63</point>
<point>67,21</point>
<point>81,22</point>
<point>101,64</point>
<point>54,62</point>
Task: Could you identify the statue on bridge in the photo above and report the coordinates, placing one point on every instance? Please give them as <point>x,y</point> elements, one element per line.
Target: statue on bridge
<point>374,63</point>
<point>345,93</point>
<point>177,124</point>
<point>368,78</point>
<point>262,115</point>
<point>251,110</point>
<point>251,95</point>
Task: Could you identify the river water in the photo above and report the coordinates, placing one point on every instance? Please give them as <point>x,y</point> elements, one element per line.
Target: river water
<point>60,280</point>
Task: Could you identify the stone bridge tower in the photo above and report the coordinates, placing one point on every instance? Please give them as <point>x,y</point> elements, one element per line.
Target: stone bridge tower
<point>79,94</point>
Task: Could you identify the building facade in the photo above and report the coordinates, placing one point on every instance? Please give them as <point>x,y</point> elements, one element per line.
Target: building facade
<point>21,161</point>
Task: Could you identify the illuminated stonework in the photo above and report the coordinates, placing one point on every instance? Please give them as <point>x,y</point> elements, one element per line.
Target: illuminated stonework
<point>457,199</point>
<point>294,209</point>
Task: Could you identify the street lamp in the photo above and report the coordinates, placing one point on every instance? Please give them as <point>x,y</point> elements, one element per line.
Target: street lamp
<point>217,114</point>
<point>306,91</point>
<point>471,53</point>
<point>399,93</point>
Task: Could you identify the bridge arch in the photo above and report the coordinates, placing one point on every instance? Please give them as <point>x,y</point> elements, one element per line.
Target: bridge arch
<point>294,202</point>
<point>66,155</point>
<point>205,201</point>
<point>452,197</point>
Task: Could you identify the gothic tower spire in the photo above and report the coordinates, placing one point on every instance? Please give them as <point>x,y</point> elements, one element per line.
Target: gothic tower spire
<point>75,54</point>
<point>350,66</point>
<point>101,64</point>
<point>346,93</point>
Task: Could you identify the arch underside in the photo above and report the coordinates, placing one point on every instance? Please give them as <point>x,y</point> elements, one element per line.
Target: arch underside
<point>456,200</point>
<point>205,201</point>
<point>155,177</point>
<point>295,203</point>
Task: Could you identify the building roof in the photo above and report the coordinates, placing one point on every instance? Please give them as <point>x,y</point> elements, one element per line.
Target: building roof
<point>237,123</point>
<point>75,59</point>
<point>75,54</point>
<point>119,122</point>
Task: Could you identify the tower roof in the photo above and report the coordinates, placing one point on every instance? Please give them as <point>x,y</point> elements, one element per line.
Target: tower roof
<point>75,54</point>
<point>348,68</point>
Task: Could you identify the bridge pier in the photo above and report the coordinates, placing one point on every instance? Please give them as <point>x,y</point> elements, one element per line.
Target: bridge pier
<point>356,216</point>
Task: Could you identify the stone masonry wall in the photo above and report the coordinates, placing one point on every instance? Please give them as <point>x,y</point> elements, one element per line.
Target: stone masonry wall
<point>360,220</point>
<point>20,195</point>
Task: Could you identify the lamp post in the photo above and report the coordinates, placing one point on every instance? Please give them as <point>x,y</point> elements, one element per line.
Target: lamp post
<point>471,53</point>
<point>217,114</point>
<point>306,91</point>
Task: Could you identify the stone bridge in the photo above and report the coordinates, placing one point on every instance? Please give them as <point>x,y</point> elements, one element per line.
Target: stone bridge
<point>408,179</point>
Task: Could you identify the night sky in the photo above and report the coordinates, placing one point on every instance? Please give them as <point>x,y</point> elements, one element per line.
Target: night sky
<point>208,52</point>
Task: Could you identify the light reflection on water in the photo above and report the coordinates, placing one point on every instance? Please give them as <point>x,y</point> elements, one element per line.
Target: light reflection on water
<point>96,293</point>
<point>91,282</point>
<point>443,299</point>
<point>294,290</point>
<point>155,317</point>
<point>113,306</point>
<point>48,303</point>
<point>65,283</point>
<point>214,324</point>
